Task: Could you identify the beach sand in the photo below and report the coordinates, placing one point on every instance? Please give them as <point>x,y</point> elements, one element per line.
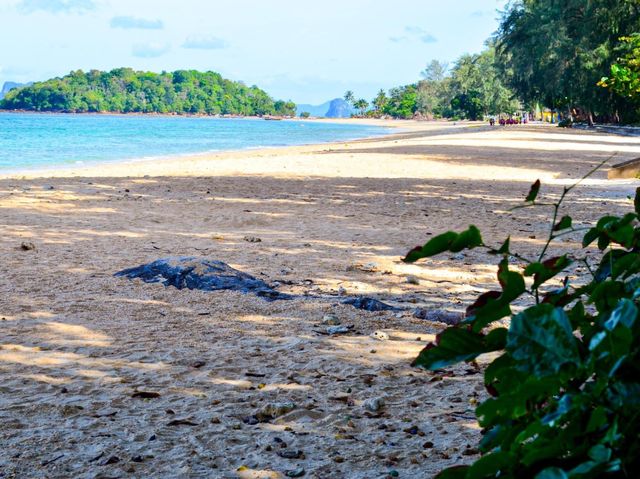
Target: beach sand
<point>78,343</point>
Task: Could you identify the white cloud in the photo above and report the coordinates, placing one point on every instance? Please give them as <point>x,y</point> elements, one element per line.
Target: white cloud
<point>204,42</point>
<point>56,6</point>
<point>133,22</point>
<point>150,49</point>
<point>428,38</point>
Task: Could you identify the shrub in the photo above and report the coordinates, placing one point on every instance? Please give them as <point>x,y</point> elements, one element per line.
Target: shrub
<point>565,388</point>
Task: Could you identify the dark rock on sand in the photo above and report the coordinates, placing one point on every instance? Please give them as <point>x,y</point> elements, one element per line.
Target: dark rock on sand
<point>369,304</point>
<point>203,274</point>
<point>438,315</point>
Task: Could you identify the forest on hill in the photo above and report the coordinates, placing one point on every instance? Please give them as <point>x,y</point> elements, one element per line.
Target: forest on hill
<point>124,90</point>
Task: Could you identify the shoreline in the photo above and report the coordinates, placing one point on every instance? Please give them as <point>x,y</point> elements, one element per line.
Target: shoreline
<point>89,168</point>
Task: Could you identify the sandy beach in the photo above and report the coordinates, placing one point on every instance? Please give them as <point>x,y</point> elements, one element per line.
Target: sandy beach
<point>77,343</point>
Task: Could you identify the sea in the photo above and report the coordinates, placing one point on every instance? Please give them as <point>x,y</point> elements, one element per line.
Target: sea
<point>34,141</point>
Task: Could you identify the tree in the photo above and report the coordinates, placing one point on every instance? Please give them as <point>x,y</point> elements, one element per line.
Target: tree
<point>361,105</point>
<point>435,72</point>
<point>349,97</point>
<point>625,73</point>
<point>380,101</point>
<point>555,52</point>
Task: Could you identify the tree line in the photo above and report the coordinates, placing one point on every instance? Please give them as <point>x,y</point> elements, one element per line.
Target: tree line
<point>124,90</point>
<point>578,57</point>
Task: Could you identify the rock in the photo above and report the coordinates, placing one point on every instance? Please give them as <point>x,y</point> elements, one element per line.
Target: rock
<point>27,246</point>
<point>252,239</point>
<point>299,472</point>
<point>203,274</point>
<point>368,304</point>
<point>373,404</point>
<point>438,315</point>
<point>273,410</point>
<point>381,335</point>
<point>330,320</point>
<point>413,279</point>
<point>291,454</point>
<point>365,268</point>
<point>251,420</point>
<point>331,330</point>
<point>342,291</point>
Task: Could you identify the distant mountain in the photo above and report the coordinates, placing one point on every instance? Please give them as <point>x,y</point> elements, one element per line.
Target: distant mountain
<point>10,85</point>
<point>337,108</point>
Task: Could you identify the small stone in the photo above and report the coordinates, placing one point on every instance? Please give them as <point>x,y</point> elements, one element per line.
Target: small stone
<point>394,473</point>
<point>342,291</point>
<point>338,459</point>
<point>250,420</point>
<point>215,420</point>
<point>381,335</point>
<point>373,404</point>
<point>111,460</point>
<point>252,239</point>
<point>198,364</point>
<point>27,246</point>
<point>427,445</point>
<point>412,279</point>
<point>338,330</point>
<point>299,472</point>
<point>330,320</point>
<point>291,454</point>
<point>412,430</point>
<point>273,410</point>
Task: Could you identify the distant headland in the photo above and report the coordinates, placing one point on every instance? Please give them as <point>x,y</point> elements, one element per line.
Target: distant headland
<point>124,90</point>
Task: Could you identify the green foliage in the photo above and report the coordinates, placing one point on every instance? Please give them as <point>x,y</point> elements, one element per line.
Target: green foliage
<point>565,388</point>
<point>305,114</point>
<point>124,90</point>
<point>625,73</point>
<point>556,52</point>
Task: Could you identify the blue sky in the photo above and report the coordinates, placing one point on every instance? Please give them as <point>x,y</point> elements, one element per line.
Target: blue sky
<point>307,51</point>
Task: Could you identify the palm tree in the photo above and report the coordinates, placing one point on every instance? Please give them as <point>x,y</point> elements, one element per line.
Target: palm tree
<point>349,97</point>
<point>361,105</point>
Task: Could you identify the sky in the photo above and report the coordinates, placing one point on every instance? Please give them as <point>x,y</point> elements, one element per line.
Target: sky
<point>300,50</point>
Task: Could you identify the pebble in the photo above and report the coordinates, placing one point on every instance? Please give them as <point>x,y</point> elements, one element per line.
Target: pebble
<point>291,454</point>
<point>337,330</point>
<point>252,239</point>
<point>381,335</point>
<point>273,410</point>
<point>295,472</point>
<point>373,404</point>
<point>412,279</point>
<point>27,246</point>
<point>331,320</point>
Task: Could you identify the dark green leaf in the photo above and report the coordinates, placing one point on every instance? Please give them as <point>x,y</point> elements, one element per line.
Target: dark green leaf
<point>455,472</point>
<point>552,473</point>
<point>542,272</point>
<point>541,340</point>
<point>456,344</point>
<point>563,224</point>
<point>449,241</point>
<point>533,191</point>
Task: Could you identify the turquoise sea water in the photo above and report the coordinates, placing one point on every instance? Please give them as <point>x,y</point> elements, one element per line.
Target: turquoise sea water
<point>49,140</point>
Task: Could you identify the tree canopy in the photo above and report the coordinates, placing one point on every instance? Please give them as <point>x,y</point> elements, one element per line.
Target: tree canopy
<point>555,52</point>
<point>124,90</point>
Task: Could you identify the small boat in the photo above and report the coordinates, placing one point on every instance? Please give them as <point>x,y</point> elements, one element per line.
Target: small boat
<point>273,118</point>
